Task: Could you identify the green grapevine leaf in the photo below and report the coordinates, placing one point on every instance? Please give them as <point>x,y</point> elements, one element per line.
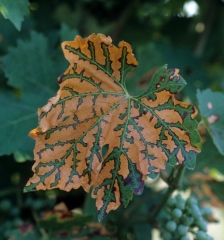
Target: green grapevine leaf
<point>93,110</point>
<point>209,156</point>
<point>14,11</point>
<point>17,116</point>
<point>67,33</point>
<point>212,111</point>
<point>29,68</point>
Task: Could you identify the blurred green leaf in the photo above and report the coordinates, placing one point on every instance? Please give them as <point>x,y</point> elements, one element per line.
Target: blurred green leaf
<point>29,66</point>
<point>143,231</point>
<point>149,60</point>
<point>17,117</point>
<point>212,112</point>
<point>209,157</point>
<point>64,14</point>
<point>14,11</point>
<point>190,67</point>
<point>90,206</point>
<point>67,33</point>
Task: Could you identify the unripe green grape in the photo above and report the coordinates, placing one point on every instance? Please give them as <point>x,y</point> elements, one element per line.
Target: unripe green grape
<point>206,211</point>
<point>167,236</point>
<point>182,230</point>
<point>179,198</point>
<point>165,215</point>
<point>200,235</point>
<point>181,204</point>
<point>187,221</point>
<point>184,238</point>
<point>195,208</point>
<point>202,224</point>
<point>171,202</point>
<point>171,226</point>
<point>192,200</point>
<point>177,213</point>
<point>195,211</point>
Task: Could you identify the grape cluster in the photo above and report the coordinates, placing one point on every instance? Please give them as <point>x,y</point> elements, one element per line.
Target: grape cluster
<point>181,218</point>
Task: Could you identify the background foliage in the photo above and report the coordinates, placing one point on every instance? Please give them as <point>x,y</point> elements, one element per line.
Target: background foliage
<point>159,32</point>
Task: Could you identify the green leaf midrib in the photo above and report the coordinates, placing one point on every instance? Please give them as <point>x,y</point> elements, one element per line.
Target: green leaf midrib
<point>116,163</point>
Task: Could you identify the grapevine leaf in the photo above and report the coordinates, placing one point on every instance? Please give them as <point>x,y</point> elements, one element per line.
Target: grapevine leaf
<point>27,66</point>
<point>93,109</point>
<point>17,117</point>
<point>67,33</point>
<point>212,110</point>
<point>14,11</point>
<point>209,156</point>
<point>39,66</point>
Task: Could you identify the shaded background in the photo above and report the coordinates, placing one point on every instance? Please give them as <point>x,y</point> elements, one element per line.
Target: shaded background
<point>188,35</point>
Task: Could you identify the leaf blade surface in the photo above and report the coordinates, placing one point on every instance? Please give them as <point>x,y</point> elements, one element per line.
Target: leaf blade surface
<point>211,109</point>
<point>93,109</point>
<point>14,11</point>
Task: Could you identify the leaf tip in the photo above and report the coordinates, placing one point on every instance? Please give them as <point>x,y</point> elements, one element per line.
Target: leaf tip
<point>29,188</point>
<point>25,190</point>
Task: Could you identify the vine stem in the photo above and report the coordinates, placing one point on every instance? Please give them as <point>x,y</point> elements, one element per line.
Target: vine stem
<point>175,182</point>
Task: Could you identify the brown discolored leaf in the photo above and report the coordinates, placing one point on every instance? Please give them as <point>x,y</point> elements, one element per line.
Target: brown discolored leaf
<point>93,111</point>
